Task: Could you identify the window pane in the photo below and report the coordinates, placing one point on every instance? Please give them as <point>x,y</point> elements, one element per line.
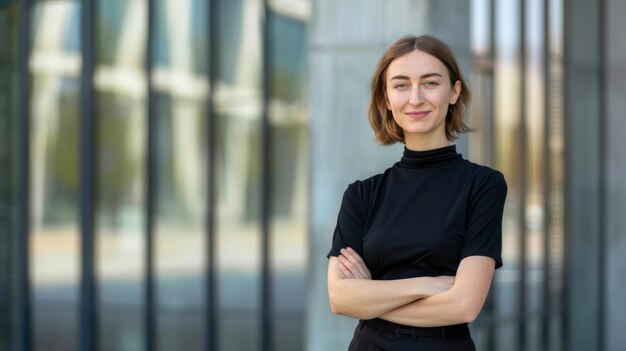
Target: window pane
<point>120,91</point>
<point>506,138</point>
<point>55,67</point>
<point>181,88</point>
<point>289,173</point>
<point>238,102</point>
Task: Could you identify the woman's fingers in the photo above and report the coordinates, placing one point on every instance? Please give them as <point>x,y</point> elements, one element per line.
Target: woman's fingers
<point>347,274</point>
<point>355,264</point>
<point>351,270</point>
<point>351,267</point>
<point>360,259</point>
<point>345,270</point>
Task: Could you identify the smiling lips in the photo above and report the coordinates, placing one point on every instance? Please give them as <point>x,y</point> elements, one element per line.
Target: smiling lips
<point>418,114</point>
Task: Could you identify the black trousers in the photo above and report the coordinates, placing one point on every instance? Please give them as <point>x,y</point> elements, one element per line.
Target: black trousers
<point>380,335</point>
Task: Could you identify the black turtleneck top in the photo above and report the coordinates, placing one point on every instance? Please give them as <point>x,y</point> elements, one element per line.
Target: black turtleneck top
<point>423,215</point>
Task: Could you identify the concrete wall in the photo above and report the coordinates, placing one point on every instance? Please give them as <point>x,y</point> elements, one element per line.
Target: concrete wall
<point>583,106</point>
<point>347,39</point>
<point>596,188</point>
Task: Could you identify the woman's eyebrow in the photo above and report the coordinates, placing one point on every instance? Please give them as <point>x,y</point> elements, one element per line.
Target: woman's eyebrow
<point>427,75</point>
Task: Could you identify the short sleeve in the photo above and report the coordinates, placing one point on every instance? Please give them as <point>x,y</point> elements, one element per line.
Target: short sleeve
<point>483,236</point>
<point>350,221</point>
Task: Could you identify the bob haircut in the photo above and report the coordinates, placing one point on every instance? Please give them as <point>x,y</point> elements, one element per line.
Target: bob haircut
<point>386,130</point>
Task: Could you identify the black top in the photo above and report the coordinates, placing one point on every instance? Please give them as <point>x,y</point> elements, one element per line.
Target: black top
<point>423,215</point>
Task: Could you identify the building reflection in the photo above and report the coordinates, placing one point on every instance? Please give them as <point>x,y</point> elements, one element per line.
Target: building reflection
<point>55,66</point>
<point>178,85</point>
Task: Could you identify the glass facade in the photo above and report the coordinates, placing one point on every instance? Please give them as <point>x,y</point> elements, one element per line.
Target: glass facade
<point>518,49</point>
<point>199,218</point>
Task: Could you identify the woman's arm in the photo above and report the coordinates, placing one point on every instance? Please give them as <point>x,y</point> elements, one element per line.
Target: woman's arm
<point>461,304</point>
<point>352,293</point>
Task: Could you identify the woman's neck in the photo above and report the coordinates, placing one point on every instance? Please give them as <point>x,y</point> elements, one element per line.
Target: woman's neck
<point>422,143</point>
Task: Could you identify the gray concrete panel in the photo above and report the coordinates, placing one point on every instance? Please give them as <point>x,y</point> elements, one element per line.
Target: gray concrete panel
<point>583,171</point>
<point>347,24</point>
<point>343,150</point>
<point>347,39</point>
<point>402,17</point>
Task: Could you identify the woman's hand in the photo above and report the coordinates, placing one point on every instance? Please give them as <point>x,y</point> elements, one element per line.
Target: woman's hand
<point>352,265</point>
<point>352,291</point>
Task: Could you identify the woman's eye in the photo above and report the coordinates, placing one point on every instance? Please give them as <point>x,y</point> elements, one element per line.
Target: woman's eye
<point>431,84</point>
<point>400,86</point>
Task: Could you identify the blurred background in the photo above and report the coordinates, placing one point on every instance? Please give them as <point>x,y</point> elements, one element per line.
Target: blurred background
<point>171,170</point>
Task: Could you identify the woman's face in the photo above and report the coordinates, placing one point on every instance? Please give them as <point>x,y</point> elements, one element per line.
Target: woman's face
<point>418,94</point>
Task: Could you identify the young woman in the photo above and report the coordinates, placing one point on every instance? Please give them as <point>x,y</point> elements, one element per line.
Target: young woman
<point>415,247</point>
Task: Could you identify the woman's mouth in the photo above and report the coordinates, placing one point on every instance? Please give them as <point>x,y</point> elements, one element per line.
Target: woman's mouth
<point>418,114</point>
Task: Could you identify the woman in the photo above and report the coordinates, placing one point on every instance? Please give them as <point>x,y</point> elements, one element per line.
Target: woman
<point>415,247</point>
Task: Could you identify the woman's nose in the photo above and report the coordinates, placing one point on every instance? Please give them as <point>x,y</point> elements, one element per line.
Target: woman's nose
<point>417,96</point>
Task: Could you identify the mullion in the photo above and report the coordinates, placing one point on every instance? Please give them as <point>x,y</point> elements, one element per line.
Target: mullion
<point>151,197</point>
<point>210,310</point>
<point>88,310</point>
<point>547,177</point>
<point>523,163</point>
<point>24,294</point>
<point>491,335</point>
<point>266,288</point>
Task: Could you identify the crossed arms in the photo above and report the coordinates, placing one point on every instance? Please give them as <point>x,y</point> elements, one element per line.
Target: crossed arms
<point>420,302</point>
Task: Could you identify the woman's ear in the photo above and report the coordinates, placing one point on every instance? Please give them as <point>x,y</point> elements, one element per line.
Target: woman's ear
<point>456,91</point>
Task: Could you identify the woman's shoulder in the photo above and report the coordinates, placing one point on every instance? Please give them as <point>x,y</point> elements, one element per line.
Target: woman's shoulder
<point>482,170</point>
<point>363,190</point>
<point>484,176</point>
<point>369,183</point>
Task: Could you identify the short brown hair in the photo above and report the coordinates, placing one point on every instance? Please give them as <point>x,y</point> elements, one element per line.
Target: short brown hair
<point>387,131</point>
